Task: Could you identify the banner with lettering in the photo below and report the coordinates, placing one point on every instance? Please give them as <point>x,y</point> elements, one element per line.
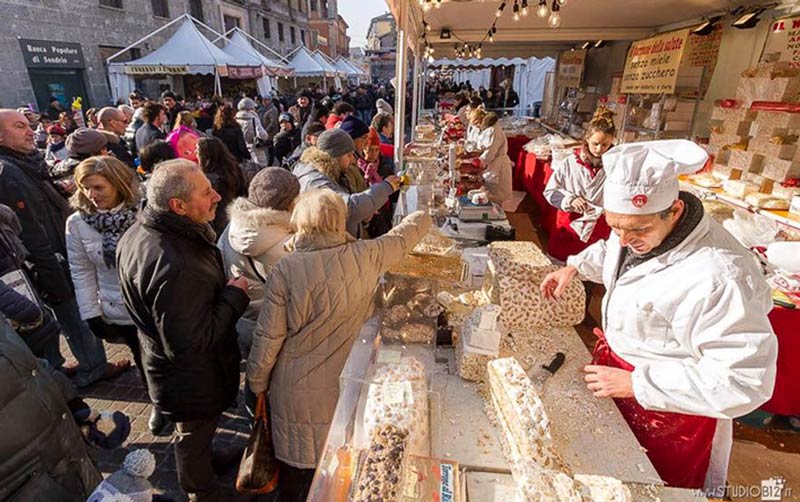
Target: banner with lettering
<point>783,42</point>
<point>703,50</point>
<point>570,68</point>
<point>652,65</point>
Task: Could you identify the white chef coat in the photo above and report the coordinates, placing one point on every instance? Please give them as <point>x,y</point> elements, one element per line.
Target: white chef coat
<point>693,322</point>
<point>570,179</point>
<point>495,156</point>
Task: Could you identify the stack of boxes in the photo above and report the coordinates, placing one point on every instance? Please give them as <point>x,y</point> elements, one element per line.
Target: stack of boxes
<point>759,147</point>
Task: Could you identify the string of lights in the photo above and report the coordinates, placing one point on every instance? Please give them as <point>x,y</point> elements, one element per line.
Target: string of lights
<point>519,10</point>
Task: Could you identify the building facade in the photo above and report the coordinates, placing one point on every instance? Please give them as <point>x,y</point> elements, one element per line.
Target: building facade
<point>328,27</point>
<point>381,49</point>
<point>58,48</point>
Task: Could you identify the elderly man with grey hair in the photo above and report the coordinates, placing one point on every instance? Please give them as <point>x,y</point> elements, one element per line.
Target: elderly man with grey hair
<point>112,123</point>
<point>174,287</point>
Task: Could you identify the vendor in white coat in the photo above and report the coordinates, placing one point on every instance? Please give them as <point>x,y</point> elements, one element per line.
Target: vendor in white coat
<point>474,120</point>
<point>687,344</point>
<point>498,175</point>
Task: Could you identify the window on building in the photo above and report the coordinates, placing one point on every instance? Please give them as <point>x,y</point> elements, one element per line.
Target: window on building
<point>281,37</point>
<point>314,6</point>
<point>117,4</point>
<point>196,9</point>
<point>303,37</point>
<point>292,35</point>
<point>231,22</point>
<point>267,31</point>
<point>160,8</point>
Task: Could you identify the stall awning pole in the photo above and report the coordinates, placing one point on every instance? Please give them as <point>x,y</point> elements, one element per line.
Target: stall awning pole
<point>401,77</point>
<point>415,88</point>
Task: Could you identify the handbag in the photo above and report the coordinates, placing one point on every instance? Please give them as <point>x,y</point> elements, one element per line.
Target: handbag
<point>258,470</point>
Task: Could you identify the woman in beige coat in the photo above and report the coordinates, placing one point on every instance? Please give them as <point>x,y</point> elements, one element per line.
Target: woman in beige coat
<point>315,302</point>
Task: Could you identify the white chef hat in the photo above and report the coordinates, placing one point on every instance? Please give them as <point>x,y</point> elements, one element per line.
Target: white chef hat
<point>642,178</point>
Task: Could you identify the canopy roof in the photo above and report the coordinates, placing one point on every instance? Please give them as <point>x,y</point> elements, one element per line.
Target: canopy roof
<point>330,69</point>
<point>305,65</point>
<point>470,20</point>
<point>188,47</point>
<point>350,68</point>
<point>478,63</point>
<point>240,48</point>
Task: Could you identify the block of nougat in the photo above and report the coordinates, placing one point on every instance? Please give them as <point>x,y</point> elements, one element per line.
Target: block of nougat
<point>725,172</point>
<point>766,119</point>
<point>726,140</point>
<point>478,345</point>
<point>767,148</point>
<point>594,488</point>
<point>746,161</point>
<point>781,169</point>
<point>735,126</point>
<point>785,191</point>
<point>515,271</point>
<point>771,70</point>
<point>740,188</point>
<point>398,395</point>
<point>767,89</point>
<point>378,477</point>
<point>728,114</point>
<point>522,413</point>
<point>766,201</point>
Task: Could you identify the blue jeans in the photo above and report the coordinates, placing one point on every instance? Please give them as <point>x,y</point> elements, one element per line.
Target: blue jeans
<point>85,346</point>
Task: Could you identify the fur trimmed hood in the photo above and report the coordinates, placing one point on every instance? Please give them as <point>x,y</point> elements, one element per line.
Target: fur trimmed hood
<point>255,230</point>
<point>321,162</point>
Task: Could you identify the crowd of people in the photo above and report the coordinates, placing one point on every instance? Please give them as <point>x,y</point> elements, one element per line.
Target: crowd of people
<point>175,229</point>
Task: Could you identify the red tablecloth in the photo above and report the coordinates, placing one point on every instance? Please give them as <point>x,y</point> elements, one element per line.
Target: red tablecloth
<point>786,397</point>
<point>515,144</point>
<point>531,175</point>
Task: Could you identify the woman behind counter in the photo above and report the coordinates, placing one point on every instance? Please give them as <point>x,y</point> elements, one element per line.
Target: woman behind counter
<point>315,301</point>
<point>576,190</point>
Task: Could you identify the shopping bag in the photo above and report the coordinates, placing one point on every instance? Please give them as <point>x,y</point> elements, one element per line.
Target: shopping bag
<point>258,471</point>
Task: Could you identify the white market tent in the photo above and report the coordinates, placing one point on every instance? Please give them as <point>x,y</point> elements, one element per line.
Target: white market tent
<point>351,69</point>
<point>330,67</point>
<point>187,51</point>
<point>305,65</point>
<point>239,47</point>
<point>529,74</point>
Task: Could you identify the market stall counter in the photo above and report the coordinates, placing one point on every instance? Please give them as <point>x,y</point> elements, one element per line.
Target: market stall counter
<point>424,414</point>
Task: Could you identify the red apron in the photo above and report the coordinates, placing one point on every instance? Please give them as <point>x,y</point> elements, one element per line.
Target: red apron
<point>678,445</point>
<point>564,242</point>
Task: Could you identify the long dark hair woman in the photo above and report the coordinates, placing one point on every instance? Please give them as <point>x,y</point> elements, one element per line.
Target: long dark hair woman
<point>225,175</point>
<point>230,133</point>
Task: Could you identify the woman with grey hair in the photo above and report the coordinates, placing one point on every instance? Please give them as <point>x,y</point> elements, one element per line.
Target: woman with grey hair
<point>315,302</point>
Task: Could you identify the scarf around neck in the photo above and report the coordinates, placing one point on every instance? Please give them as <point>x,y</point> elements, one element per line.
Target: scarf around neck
<point>111,225</point>
<point>688,221</point>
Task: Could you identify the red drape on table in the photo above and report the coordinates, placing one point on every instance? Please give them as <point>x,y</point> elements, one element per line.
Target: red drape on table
<point>786,397</point>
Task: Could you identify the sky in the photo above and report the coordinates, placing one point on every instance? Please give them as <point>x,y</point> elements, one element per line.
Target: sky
<point>358,14</point>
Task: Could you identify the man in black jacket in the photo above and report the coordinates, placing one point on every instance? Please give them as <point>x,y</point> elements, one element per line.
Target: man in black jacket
<point>112,123</point>
<point>25,187</point>
<point>155,116</point>
<point>174,287</point>
<point>173,107</point>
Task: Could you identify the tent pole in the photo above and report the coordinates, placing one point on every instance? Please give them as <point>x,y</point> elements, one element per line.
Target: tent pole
<point>401,77</point>
<point>151,34</point>
<point>415,89</point>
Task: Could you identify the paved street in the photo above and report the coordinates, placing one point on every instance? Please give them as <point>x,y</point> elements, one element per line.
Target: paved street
<point>127,394</point>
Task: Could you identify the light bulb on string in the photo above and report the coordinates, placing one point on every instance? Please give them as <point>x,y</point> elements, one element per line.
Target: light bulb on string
<point>516,11</point>
<point>426,7</point>
<point>542,11</point>
<point>524,7</point>
<point>491,36</point>
<point>562,2</point>
<point>554,21</point>
<point>500,9</point>
<point>438,4</point>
